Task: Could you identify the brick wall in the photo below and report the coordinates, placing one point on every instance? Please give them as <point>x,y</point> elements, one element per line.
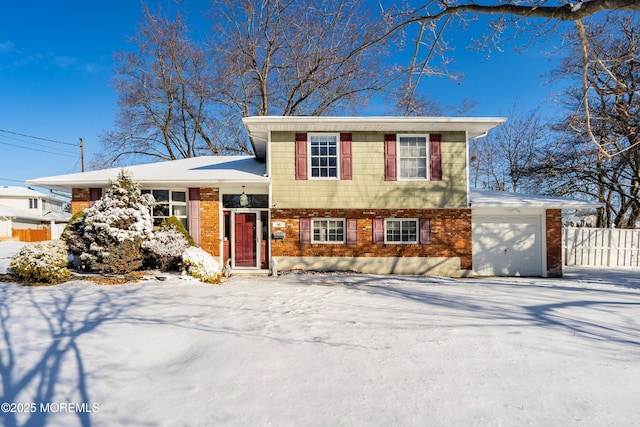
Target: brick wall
<point>450,233</point>
<point>210,220</point>
<point>80,199</point>
<point>554,243</point>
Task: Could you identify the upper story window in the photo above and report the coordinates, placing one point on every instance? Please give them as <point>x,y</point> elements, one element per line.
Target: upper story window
<point>168,203</point>
<point>413,157</point>
<point>33,203</point>
<point>323,156</point>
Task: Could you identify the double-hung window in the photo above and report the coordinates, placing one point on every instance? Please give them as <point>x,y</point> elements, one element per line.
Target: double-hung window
<point>328,230</point>
<point>168,203</point>
<point>413,156</point>
<point>323,155</point>
<point>401,231</point>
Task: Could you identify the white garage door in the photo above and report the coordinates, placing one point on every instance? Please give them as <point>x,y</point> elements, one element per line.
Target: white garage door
<point>507,245</point>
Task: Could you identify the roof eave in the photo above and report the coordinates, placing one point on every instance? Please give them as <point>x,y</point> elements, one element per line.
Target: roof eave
<point>258,127</point>
<point>561,206</point>
<point>68,185</point>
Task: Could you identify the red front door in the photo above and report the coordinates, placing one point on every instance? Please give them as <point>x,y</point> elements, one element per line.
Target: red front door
<point>245,239</point>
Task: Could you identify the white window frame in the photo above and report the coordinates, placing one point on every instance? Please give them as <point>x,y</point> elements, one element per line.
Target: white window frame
<point>427,176</point>
<point>391,242</point>
<point>172,203</point>
<point>33,203</point>
<point>309,156</point>
<point>328,242</point>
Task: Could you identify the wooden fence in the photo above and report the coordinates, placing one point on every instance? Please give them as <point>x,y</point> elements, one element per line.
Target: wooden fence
<point>29,235</point>
<point>601,247</point>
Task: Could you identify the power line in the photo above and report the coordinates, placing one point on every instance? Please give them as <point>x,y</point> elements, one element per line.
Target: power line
<point>37,137</point>
<point>73,168</point>
<point>35,143</point>
<point>12,180</point>
<point>37,149</point>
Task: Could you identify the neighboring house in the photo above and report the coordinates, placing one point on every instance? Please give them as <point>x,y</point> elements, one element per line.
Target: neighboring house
<point>369,194</point>
<point>26,209</point>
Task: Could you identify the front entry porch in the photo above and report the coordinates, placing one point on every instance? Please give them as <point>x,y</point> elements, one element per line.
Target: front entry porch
<point>246,240</point>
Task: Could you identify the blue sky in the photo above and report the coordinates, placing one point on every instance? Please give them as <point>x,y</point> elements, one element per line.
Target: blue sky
<point>56,60</point>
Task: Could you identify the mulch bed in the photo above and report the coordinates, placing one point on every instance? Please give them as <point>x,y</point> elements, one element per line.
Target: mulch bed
<point>100,279</point>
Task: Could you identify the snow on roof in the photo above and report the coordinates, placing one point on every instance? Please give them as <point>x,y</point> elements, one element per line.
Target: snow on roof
<point>481,198</point>
<point>23,192</point>
<point>7,212</point>
<point>194,171</point>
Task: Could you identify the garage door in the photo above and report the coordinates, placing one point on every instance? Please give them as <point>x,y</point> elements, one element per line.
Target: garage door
<point>507,245</point>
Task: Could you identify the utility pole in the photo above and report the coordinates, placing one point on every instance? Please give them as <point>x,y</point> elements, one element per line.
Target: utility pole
<point>82,154</point>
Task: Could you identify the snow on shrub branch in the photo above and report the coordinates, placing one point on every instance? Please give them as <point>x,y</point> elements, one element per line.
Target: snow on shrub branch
<point>42,262</point>
<point>120,219</point>
<point>200,264</point>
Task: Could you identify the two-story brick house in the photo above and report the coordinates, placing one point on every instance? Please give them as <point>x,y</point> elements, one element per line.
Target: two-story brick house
<point>369,194</point>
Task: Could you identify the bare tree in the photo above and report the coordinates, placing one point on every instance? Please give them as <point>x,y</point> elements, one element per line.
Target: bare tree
<point>307,57</point>
<point>179,99</point>
<point>511,20</point>
<point>164,95</point>
<point>610,170</point>
<point>503,160</point>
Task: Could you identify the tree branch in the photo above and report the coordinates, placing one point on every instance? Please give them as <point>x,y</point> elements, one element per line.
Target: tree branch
<point>567,12</point>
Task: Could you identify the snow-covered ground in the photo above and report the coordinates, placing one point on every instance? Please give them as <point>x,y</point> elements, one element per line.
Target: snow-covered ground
<point>318,350</point>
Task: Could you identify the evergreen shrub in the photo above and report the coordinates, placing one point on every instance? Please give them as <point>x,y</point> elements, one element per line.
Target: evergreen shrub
<point>42,262</point>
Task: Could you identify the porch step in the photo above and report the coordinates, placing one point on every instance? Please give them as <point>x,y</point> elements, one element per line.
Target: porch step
<point>250,272</point>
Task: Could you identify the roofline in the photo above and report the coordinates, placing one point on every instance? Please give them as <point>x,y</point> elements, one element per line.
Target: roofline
<point>31,196</point>
<point>258,127</point>
<point>521,200</point>
<point>171,183</point>
<point>372,119</point>
<point>569,205</point>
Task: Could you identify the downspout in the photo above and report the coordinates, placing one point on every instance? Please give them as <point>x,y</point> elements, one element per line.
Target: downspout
<point>272,263</point>
<point>468,170</point>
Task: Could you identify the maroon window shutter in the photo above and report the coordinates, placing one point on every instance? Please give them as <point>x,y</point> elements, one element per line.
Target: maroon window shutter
<point>94,195</point>
<point>305,231</point>
<point>352,231</point>
<point>194,214</point>
<point>378,231</point>
<point>390,158</point>
<point>435,156</point>
<point>345,156</point>
<point>425,230</point>
<point>301,156</point>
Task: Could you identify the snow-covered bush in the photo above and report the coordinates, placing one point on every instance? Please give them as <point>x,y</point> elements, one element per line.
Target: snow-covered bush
<point>42,262</point>
<point>200,264</point>
<point>174,222</point>
<point>73,234</point>
<point>115,227</point>
<point>165,248</point>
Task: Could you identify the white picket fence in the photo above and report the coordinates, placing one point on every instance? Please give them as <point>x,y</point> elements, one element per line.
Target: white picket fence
<point>601,247</point>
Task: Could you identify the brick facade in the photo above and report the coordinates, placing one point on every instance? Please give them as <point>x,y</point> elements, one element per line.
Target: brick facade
<point>80,199</point>
<point>210,220</point>
<point>450,231</point>
<point>554,242</point>
<point>209,215</point>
